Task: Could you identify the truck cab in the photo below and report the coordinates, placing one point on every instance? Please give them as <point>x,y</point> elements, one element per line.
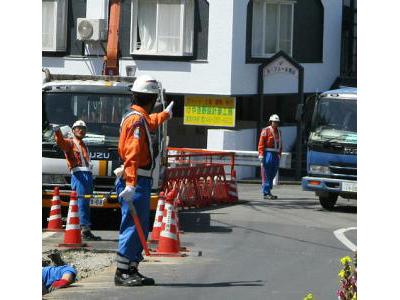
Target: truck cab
<point>100,101</point>
<point>332,147</point>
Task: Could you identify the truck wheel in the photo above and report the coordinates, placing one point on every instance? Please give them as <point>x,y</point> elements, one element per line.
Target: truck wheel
<point>328,201</point>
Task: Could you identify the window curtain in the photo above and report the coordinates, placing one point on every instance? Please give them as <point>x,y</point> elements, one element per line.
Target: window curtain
<point>285,34</point>
<point>61,24</point>
<point>271,28</point>
<point>48,24</point>
<point>257,28</point>
<point>147,13</point>
<point>188,28</point>
<point>169,26</point>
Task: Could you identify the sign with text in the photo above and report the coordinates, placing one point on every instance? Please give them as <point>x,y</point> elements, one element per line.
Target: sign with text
<point>280,65</point>
<point>210,111</point>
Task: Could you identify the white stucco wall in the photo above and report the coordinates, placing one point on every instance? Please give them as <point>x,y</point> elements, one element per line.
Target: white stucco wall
<point>317,76</point>
<point>225,71</point>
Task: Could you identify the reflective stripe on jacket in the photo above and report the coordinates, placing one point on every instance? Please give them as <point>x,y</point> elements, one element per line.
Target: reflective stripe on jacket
<point>270,140</point>
<point>134,142</point>
<point>76,152</point>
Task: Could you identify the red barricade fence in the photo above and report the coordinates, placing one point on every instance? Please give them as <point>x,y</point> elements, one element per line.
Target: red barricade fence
<point>200,176</point>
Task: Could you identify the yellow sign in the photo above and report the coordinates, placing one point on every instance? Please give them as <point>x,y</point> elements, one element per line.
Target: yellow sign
<point>210,111</point>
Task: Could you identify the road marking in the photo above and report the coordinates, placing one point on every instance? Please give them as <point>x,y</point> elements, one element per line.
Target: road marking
<point>46,235</point>
<point>345,241</point>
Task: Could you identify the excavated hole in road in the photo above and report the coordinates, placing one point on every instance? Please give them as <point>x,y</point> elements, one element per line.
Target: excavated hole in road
<point>86,262</point>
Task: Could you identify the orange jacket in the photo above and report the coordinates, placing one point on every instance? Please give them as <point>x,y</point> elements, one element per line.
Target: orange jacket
<point>133,146</point>
<point>267,140</point>
<point>72,153</point>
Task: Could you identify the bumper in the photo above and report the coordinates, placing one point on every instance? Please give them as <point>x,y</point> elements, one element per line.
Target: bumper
<point>101,200</point>
<point>331,185</point>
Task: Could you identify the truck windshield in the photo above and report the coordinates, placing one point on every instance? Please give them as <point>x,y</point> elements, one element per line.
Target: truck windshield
<point>339,114</point>
<point>101,112</point>
<point>335,119</point>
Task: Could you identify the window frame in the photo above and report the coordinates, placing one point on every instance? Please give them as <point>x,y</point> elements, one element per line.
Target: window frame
<point>182,35</point>
<point>60,28</point>
<point>279,3</point>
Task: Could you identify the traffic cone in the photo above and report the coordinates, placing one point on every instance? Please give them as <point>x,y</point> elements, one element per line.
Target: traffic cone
<point>168,244</point>
<point>232,188</point>
<point>55,221</point>
<point>72,234</point>
<point>155,234</point>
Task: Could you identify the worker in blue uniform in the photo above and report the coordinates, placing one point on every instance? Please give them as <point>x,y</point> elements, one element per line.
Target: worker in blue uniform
<point>56,277</point>
<point>269,153</point>
<point>134,177</point>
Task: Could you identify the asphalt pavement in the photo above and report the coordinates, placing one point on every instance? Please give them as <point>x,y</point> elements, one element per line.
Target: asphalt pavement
<point>257,249</point>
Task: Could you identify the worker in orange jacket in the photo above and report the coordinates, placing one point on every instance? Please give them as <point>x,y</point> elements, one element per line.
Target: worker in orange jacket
<point>134,178</point>
<point>78,161</point>
<point>269,153</point>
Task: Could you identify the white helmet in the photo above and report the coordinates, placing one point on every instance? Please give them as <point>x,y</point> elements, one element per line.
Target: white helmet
<point>274,118</point>
<point>145,84</point>
<point>79,123</point>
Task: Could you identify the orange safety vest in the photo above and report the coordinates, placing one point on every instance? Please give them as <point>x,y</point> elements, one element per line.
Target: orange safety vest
<point>76,153</point>
<point>134,146</point>
<point>270,140</point>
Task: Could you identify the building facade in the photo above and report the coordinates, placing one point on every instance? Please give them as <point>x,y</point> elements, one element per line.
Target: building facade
<point>206,48</point>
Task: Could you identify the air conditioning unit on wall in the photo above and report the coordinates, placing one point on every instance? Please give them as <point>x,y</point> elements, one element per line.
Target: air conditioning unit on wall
<point>91,29</point>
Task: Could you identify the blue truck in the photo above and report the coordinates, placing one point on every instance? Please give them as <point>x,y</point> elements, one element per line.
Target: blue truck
<point>332,147</point>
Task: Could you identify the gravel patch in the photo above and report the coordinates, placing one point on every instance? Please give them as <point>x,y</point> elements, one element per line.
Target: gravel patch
<point>86,262</point>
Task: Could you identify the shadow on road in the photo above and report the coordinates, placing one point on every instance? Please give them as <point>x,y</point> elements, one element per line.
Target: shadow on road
<point>200,222</point>
<point>298,203</point>
<point>214,284</point>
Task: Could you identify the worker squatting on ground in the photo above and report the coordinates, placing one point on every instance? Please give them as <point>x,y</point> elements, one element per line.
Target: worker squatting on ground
<point>57,277</point>
<point>134,178</point>
<point>269,153</point>
<point>78,161</point>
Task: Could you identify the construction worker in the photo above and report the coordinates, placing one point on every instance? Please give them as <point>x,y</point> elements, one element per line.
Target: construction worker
<point>57,277</point>
<point>134,177</point>
<point>78,161</point>
<point>269,153</point>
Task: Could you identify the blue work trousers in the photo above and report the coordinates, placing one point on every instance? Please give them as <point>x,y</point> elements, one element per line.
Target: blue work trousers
<point>82,183</point>
<point>270,166</point>
<point>129,244</point>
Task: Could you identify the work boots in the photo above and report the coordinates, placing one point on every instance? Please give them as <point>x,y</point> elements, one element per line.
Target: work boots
<point>132,278</point>
<point>270,197</point>
<point>87,235</point>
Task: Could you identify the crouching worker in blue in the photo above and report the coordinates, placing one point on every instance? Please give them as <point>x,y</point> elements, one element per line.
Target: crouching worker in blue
<point>269,154</point>
<point>134,177</point>
<point>57,277</point>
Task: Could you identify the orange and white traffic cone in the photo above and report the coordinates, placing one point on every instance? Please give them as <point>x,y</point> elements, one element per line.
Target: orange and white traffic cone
<point>155,234</point>
<point>55,221</point>
<point>168,244</point>
<point>72,234</point>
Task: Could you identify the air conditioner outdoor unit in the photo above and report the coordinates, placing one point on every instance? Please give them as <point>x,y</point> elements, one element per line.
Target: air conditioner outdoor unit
<point>91,29</point>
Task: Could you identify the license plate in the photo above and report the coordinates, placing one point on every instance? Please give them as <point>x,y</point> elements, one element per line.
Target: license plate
<point>349,187</point>
<point>96,202</point>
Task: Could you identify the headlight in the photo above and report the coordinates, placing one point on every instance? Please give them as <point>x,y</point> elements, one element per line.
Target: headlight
<point>53,179</point>
<point>320,169</point>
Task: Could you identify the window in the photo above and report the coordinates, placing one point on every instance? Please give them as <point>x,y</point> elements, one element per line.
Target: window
<point>162,27</point>
<point>54,25</point>
<point>272,27</point>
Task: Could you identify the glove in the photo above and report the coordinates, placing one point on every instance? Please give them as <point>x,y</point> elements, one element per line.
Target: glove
<point>119,172</point>
<point>127,193</point>
<point>62,283</point>
<point>261,158</point>
<point>168,109</point>
<point>55,127</point>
